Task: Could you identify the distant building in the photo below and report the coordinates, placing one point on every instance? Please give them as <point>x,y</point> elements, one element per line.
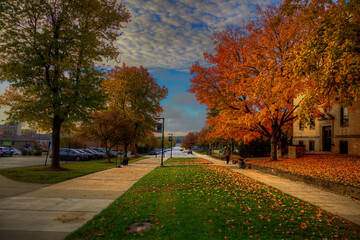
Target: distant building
<point>11,129</point>
<point>16,141</point>
<point>10,135</point>
<point>336,131</point>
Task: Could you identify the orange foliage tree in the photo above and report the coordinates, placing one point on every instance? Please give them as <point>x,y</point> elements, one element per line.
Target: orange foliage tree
<point>109,128</point>
<point>190,140</point>
<point>248,80</point>
<point>136,96</point>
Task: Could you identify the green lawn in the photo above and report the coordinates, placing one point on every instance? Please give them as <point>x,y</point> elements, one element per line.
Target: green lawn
<point>210,202</point>
<point>75,169</point>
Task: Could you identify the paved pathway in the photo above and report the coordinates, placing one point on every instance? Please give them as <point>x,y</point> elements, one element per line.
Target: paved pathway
<point>36,211</point>
<point>340,205</point>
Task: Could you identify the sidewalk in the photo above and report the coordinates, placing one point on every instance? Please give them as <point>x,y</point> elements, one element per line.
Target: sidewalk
<point>339,205</point>
<point>35,211</point>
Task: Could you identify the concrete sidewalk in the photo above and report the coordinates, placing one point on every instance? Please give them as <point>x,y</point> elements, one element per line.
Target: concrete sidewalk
<point>35,211</point>
<point>339,205</point>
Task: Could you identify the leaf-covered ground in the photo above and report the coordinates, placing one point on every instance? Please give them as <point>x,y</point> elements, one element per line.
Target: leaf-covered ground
<point>211,202</point>
<point>187,161</point>
<point>337,168</point>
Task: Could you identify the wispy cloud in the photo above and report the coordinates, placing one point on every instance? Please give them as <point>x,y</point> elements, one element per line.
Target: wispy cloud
<point>174,34</point>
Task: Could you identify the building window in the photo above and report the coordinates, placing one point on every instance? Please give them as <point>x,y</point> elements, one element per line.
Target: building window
<point>344,117</point>
<point>301,125</point>
<point>311,145</point>
<point>312,123</point>
<point>301,143</point>
<point>344,147</point>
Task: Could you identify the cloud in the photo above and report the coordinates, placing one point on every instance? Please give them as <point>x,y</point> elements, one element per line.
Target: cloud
<point>183,113</point>
<point>175,34</point>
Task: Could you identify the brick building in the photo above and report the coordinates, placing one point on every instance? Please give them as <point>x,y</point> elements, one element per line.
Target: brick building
<point>336,131</point>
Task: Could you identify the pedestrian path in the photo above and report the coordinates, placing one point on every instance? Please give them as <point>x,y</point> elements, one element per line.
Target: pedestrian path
<point>54,211</point>
<point>337,204</point>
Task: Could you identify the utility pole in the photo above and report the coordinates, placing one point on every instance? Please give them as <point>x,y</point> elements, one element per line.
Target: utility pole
<point>162,129</point>
<point>170,139</point>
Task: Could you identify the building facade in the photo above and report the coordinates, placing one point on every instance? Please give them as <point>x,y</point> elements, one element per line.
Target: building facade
<point>336,131</point>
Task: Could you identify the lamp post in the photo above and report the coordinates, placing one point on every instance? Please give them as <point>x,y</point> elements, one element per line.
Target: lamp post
<point>162,140</point>
<point>170,139</point>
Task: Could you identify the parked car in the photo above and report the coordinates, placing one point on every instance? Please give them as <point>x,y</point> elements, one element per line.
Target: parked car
<point>15,151</point>
<point>99,154</point>
<point>93,154</point>
<point>189,152</point>
<point>6,151</point>
<point>155,152</point>
<point>72,154</point>
<point>88,155</point>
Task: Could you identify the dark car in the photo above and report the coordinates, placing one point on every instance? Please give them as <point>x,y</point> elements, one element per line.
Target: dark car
<point>189,152</point>
<point>99,154</point>
<point>154,152</point>
<point>72,154</point>
<point>6,151</point>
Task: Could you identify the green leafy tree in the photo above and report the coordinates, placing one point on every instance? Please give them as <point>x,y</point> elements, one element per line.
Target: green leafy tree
<point>328,57</point>
<point>50,52</point>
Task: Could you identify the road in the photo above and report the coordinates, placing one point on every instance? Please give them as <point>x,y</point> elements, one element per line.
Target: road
<point>175,154</point>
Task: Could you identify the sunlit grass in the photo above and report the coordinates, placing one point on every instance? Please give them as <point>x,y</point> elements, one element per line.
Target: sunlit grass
<point>186,160</point>
<point>210,202</point>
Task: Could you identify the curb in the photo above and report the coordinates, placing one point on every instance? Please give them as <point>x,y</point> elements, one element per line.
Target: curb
<point>338,188</point>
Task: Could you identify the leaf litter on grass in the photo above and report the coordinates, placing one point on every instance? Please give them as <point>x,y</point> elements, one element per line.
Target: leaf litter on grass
<point>201,202</point>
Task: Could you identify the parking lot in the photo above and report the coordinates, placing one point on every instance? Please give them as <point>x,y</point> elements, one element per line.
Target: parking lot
<point>23,161</point>
<point>26,161</point>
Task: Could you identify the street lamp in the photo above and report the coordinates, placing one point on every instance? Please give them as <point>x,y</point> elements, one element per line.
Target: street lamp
<point>162,140</point>
<point>170,139</point>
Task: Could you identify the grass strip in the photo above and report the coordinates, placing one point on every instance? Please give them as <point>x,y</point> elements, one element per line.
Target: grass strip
<point>186,160</point>
<point>75,169</point>
<point>210,202</point>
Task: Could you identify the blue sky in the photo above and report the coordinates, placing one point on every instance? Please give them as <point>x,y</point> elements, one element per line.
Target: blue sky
<point>167,37</point>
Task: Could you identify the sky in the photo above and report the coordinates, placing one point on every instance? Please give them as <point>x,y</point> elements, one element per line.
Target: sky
<point>167,37</point>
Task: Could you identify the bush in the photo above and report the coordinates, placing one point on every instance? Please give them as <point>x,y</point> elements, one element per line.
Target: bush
<point>37,153</point>
<point>256,148</point>
<point>25,153</point>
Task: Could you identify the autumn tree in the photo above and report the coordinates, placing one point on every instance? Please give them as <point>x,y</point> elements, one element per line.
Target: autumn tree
<point>107,127</point>
<point>135,94</point>
<point>190,140</point>
<point>328,57</point>
<point>51,52</point>
<point>148,142</point>
<point>248,80</point>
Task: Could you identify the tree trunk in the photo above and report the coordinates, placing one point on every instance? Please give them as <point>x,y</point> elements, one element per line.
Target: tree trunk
<point>107,153</point>
<point>55,163</point>
<point>273,149</point>
<point>125,150</point>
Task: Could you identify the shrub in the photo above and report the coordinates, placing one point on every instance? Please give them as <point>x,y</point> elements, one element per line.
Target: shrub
<point>256,148</point>
<point>24,152</point>
<point>37,153</point>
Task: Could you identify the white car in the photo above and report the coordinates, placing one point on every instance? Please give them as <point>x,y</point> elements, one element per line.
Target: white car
<point>6,151</point>
<point>15,151</point>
